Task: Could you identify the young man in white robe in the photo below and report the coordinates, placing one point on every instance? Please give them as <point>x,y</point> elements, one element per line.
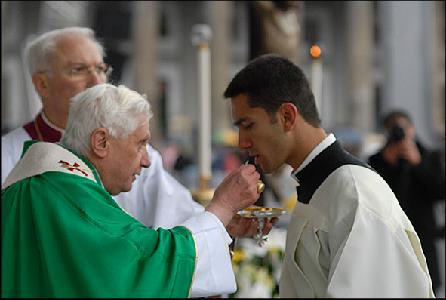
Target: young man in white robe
<point>348,236</point>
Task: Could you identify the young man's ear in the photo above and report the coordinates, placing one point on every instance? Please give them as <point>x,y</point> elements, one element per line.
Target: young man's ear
<point>99,142</point>
<point>288,112</point>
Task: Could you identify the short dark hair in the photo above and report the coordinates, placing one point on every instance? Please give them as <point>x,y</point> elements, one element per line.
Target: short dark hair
<point>270,80</point>
<point>389,119</point>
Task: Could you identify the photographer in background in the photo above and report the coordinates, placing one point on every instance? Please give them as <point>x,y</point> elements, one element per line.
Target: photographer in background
<point>416,176</point>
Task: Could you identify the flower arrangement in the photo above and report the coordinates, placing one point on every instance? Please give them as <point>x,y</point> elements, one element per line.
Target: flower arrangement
<point>258,269</point>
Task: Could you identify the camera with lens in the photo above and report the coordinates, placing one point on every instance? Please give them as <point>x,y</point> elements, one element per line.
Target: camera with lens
<point>396,134</point>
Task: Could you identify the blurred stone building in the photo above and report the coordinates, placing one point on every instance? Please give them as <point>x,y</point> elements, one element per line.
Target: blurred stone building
<point>375,56</point>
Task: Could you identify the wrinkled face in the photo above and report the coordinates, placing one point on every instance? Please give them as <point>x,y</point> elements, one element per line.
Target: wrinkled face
<point>126,157</point>
<point>259,135</point>
<point>61,80</point>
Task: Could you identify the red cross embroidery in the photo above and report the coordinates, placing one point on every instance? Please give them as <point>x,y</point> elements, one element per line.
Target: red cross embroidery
<point>74,167</point>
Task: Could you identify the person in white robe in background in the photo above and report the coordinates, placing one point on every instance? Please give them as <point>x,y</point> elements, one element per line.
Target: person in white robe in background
<point>348,236</point>
<point>62,63</point>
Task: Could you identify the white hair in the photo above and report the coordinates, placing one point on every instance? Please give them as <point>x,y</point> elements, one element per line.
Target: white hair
<point>38,52</point>
<point>116,108</point>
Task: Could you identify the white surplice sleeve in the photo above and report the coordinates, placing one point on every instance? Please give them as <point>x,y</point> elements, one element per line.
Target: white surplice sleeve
<point>382,265</point>
<point>12,147</point>
<point>381,255</point>
<point>213,273</point>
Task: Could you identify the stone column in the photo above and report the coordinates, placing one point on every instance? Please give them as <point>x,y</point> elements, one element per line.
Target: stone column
<point>219,15</point>
<point>407,43</point>
<point>145,28</point>
<point>437,62</point>
<point>359,48</point>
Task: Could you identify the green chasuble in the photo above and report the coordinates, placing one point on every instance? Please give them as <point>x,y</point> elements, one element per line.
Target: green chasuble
<point>63,235</point>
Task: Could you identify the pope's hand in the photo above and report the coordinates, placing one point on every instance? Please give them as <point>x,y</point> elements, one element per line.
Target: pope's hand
<point>238,190</point>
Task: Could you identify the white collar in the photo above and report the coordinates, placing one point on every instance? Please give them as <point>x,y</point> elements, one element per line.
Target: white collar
<point>330,139</point>
<point>48,122</point>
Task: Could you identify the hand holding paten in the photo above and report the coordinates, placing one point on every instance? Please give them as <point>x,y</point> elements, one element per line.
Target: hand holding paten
<point>241,227</point>
<point>262,215</point>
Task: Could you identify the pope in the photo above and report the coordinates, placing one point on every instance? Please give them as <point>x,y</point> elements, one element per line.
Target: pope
<point>63,235</point>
